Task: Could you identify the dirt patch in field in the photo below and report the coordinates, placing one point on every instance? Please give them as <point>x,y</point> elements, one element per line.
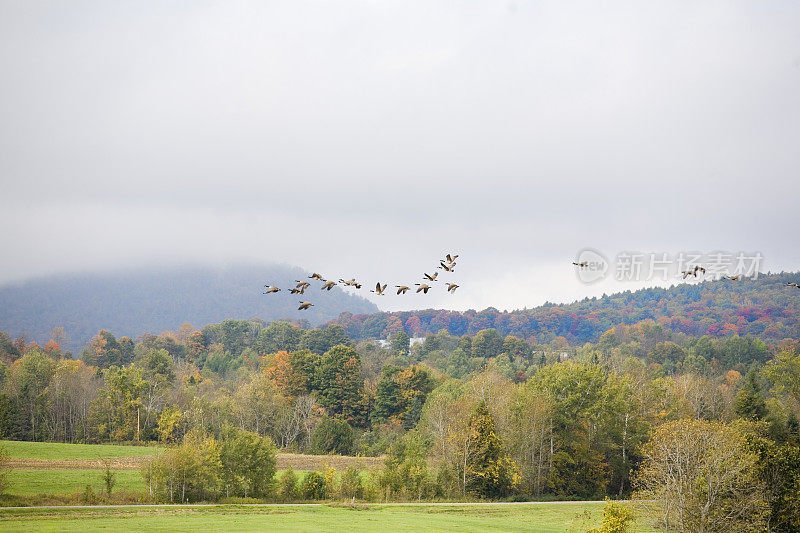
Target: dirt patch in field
<point>117,463</point>
<point>297,461</point>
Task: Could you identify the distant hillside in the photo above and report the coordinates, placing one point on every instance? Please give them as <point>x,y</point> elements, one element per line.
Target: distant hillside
<point>132,302</point>
<point>766,307</point>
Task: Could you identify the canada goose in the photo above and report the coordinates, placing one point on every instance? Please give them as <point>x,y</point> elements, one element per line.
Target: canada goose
<point>431,277</point>
<point>401,289</point>
<point>451,287</point>
<point>304,305</point>
<point>582,264</point>
<point>446,268</point>
<point>422,287</point>
<point>300,289</point>
<point>379,289</point>
<point>271,289</point>
<point>451,258</point>
<point>733,278</point>
<point>794,285</point>
<point>328,285</point>
<point>348,283</point>
<point>302,284</point>
<point>687,273</point>
<point>357,285</point>
<point>316,276</point>
<point>699,268</point>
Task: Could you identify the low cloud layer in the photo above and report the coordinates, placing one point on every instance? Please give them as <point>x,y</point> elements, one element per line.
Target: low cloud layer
<point>367,139</point>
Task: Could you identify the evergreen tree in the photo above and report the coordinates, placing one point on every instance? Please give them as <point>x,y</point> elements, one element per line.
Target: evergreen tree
<point>750,401</point>
<point>493,473</point>
<point>401,342</point>
<point>387,395</point>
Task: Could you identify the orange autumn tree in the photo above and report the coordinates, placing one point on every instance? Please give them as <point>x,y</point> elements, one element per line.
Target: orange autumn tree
<point>282,372</point>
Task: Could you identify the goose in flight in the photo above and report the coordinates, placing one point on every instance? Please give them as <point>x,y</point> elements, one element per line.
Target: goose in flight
<point>451,259</point>
<point>328,285</point>
<point>582,264</point>
<point>693,271</point>
<point>422,287</point>
<point>401,289</point>
<point>379,289</point>
<point>794,285</point>
<point>430,277</point>
<point>348,283</point>
<point>316,276</point>
<point>304,305</point>
<point>451,288</point>
<point>271,289</point>
<point>733,278</point>
<point>446,268</point>
<point>302,284</point>
<point>298,290</point>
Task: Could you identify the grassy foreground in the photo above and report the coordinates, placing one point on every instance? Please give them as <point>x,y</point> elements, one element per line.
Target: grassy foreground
<point>529,517</point>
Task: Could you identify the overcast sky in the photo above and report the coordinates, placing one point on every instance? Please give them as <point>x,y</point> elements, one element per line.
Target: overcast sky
<point>369,138</point>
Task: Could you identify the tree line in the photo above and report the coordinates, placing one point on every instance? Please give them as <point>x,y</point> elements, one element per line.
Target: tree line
<point>456,417</point>
<point>764,307</point>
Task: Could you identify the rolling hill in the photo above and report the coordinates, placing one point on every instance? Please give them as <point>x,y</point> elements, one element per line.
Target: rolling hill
<point>765,307</point>
<point>133,302</point>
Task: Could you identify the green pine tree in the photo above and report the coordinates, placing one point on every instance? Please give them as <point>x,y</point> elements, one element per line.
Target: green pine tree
<point>750,401</point>
<point>493,473</point>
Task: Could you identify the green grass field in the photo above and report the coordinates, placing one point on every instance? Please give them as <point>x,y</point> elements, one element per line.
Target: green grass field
<point>57,451</point>
<point>70,481</point>
<point>59,479</point>
<point>24,481</point>
<point>529,517</point>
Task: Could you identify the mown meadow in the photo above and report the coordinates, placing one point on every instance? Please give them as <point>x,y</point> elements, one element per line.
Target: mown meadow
<point>529,517</point>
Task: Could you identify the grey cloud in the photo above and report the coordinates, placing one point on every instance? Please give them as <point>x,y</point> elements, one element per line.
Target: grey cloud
<point>371,137</point>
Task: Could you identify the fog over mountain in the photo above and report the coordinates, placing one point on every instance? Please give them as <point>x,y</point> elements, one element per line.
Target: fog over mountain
<point>373,138</point>
<point>136,301</point>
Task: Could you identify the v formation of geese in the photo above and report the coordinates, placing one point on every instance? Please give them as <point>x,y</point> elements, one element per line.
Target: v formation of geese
<point>447,265</point>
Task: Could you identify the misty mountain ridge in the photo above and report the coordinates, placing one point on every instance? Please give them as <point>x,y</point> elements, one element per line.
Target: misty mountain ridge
<point>132,302</point>
<point>136,301</point>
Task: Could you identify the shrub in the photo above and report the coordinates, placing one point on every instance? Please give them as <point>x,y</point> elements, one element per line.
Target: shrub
<point>314,487</point>
<point>109,478</point>
<point>288,484</point>
<point>616,518</point>
<point>89,497</point>
<point>352,484</point>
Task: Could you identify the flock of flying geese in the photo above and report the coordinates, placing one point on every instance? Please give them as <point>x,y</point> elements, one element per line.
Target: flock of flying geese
<point>690,272</point>
<point>447,265</point>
